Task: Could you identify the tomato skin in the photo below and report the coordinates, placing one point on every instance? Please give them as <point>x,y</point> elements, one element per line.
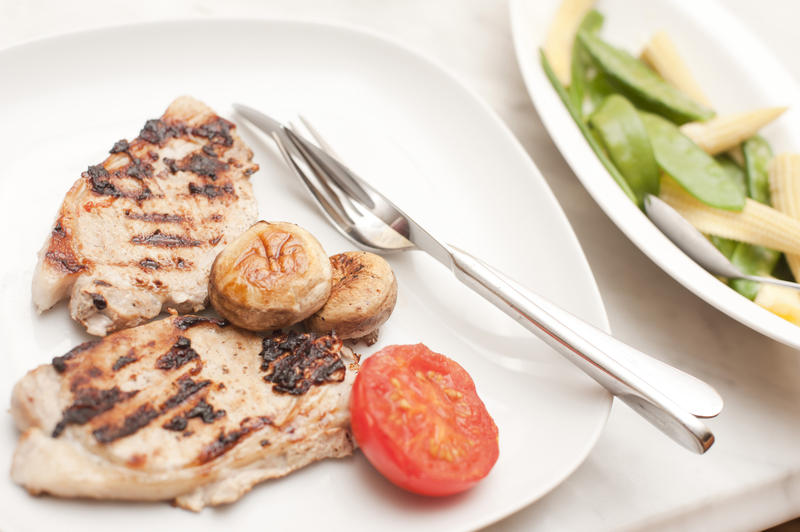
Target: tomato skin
<point>419,421</point>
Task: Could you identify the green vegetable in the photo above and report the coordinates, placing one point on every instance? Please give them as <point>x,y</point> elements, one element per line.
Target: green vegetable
<point>757,155</point>
<point>734,171</point>
<point>624,137</point>
<point>597,89</point>
<point>752,260</point>
<point>582,62</point>
<point>575,113</point>
<point>694,169</point>
<point>755,260</point>
<point>639,83</point>
<point>725,245</point>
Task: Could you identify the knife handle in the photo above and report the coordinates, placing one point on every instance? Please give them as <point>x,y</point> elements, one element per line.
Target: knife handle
<point>608,361</point>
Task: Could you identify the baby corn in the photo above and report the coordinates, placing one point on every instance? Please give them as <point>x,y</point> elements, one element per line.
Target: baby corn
<point>725,132</point>
<point>662,55</point>
<point>755,224</point>
<point>561,36</point>
<point>784,185</point>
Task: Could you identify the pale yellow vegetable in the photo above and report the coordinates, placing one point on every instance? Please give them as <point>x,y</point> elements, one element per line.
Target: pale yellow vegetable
<point>737,155</point>
<point>561,36</point>
<point>726,132</point>
<point>756,223</point>
<point>785,302</point>
<point>784,184</point>
<point>662,55</point>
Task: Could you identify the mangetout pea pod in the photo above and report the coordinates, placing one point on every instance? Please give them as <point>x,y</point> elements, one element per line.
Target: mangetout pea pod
<point>725,245</point>
<point>576,116</point>
<point>639,83</point>
<point>734,171</point>
<point>582,68</point>
<point>694,169</point>
<point>755,260</point>
<point>757,155</point>
<point>624,137</point>
<point>752,260</point>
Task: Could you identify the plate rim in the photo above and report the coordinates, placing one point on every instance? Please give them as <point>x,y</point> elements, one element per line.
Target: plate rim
<point>619,209</point>
<point>508,138</point>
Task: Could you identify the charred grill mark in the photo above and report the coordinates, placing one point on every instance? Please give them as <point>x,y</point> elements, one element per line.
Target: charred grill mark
<point>186,388</point>
<point>216,240</point>
<point>60,253</point>
<point>99,282</point>
<point>98,301</point>
<point>211,191</point>
<point>65,261</point>
<point>250,170</point>
<point>124,360</point>
<point>99,179</point>
<point>139,169</point>
<point>178,424</point>
<point>132,423</point>
<point>185,322</point>
<point>218,131</point>
<point>199,164</point>
<point>156,131</point>
<point>58,230</point>
<point>90,402</point>
<point>156,217</point>
<point>228,440</point>
<point>202,409</point>
<point>348,267</point>
<point>164,240</point>
<point>205,166</point>
<point>206,412</point>
<point>209,150</point>
<point>178,355</point>
<point>60,362</point>
<point>145,193</point>
<point>149,264</point>
<point>121,146</point>
<point>295,362</point>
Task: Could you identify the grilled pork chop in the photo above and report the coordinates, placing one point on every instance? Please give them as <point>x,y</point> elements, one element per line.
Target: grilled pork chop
<point>138,233</point>
<point>183,408</point>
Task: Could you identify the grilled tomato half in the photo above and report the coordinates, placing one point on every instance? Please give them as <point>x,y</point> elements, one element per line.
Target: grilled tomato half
<point>419,421</point>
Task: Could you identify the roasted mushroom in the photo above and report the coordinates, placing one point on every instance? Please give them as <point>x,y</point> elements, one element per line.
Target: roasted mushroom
<point>362,298</point>
<point>274,275</point>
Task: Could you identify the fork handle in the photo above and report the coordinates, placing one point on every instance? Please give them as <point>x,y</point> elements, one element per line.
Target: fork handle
<point>567,334</point>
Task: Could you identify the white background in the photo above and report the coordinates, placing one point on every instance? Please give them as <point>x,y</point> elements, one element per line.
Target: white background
<point>635,478</point>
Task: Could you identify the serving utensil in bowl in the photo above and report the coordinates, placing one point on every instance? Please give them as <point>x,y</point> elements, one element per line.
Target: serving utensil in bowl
<point>692,242</point>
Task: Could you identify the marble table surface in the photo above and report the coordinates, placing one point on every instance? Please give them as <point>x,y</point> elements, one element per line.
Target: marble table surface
<point>634,479</point>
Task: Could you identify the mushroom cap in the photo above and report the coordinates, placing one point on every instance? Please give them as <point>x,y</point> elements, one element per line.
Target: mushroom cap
<point>362,298</point>
<point>273,275</point>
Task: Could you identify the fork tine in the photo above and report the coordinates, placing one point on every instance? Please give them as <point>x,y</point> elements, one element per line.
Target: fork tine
<point>326,199</point>
<point>334,170</point>
<point>322,173</point>
<point>317,136</point>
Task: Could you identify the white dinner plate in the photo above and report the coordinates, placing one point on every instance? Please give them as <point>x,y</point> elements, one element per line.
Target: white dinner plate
<point>398,119</point>
<point>736,72</point>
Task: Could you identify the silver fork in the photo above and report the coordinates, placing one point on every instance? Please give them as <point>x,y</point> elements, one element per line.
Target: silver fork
<point>668,398</point>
